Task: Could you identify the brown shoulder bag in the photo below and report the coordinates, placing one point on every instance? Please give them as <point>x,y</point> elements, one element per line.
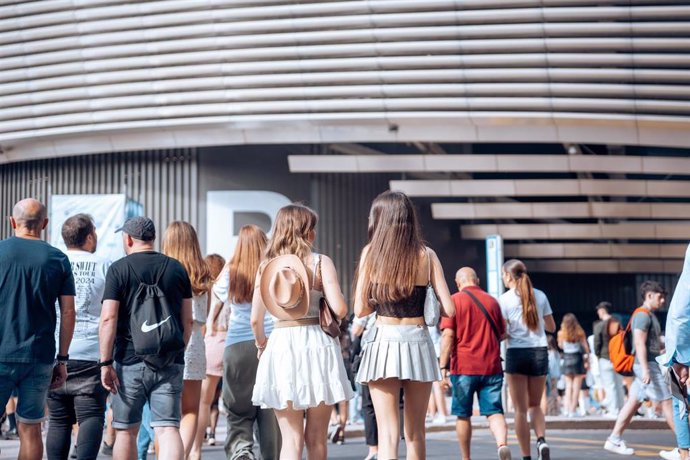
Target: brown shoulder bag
<point>327,319</point>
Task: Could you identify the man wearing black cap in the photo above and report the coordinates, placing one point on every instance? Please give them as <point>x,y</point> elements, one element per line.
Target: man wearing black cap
<point>124,373</point>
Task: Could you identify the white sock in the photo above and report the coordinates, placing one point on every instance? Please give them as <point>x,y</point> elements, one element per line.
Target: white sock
<point>614,438</point>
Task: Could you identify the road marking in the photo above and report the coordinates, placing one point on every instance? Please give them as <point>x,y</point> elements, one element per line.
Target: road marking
<point>601,443</point>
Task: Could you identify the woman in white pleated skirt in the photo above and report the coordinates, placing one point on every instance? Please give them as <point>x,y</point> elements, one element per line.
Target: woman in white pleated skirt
<point>301,370</point>
<point>398,354</point>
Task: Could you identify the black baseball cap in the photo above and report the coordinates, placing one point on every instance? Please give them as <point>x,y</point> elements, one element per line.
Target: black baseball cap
<point>140,228</point>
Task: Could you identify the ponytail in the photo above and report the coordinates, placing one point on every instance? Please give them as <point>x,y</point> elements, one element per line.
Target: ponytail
<point>529,304</point>
<point>518,271</point>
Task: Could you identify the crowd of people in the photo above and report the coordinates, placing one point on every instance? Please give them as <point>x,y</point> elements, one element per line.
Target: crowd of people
<point>152,344</point>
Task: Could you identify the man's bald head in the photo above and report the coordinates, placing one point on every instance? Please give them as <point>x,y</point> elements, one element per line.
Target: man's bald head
<point>29,214</point>
<point>466,276</point>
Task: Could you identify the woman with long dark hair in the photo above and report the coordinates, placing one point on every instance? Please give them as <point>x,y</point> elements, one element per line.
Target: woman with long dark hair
<point>301,372</point>
<point>528,315</point>
<point>573,341</point>
<point>394,271</point>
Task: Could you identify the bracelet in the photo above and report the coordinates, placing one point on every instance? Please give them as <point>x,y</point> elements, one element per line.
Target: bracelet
<point>62,358</point>
<point>60,363</point>
<point>107,362</point>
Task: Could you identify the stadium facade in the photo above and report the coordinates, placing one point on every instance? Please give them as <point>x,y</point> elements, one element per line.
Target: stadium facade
<point>562,125</point>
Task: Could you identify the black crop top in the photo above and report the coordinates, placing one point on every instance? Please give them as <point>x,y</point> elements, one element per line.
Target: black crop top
<point>411,307</point>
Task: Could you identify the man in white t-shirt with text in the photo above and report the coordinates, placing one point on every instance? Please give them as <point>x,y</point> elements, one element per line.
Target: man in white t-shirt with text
<point>82,398</point>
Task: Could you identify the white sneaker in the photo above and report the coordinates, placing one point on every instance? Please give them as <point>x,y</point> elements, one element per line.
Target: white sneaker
<point>439,420</point>
<point>670,454</point>
<point>504,453</point>
<point>618,448</point>
<point>543,451</point>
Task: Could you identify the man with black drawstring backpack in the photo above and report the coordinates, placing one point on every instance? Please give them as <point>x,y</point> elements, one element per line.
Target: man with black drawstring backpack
<point>147,316</point>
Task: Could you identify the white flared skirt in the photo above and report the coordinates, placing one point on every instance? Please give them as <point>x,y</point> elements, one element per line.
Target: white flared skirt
<point>404,352</point>
<point>302,365</point>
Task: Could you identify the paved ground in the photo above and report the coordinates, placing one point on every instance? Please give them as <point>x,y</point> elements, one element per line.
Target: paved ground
<point>566,445</point>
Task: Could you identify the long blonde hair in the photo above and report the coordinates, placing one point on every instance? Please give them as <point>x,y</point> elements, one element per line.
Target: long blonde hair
<point>291,229</point>
<point>518,273</point>
<point>395,244</point>
<point>243,265</point>
<point>181,242</point>
<point>571,331</point>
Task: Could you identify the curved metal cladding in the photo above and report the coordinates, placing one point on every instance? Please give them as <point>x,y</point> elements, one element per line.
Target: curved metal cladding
<point>91,76</point>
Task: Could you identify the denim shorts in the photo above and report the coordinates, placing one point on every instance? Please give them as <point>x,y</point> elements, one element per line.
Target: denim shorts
<point>488,389</point>
<point>533,362</point>
<point>138,384</point>
<point>31,381</point>
<point>656,390</point>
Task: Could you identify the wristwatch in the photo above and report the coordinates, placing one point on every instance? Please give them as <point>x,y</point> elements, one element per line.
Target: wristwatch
<point>107,362</point>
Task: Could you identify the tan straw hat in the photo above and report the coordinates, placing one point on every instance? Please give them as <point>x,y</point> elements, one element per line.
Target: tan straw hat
<point>284,287</point>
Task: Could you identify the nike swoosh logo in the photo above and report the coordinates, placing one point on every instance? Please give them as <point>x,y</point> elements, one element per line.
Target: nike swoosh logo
<point>149,327</point>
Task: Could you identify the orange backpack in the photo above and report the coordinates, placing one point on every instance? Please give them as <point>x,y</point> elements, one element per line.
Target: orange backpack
<point>620,347</point>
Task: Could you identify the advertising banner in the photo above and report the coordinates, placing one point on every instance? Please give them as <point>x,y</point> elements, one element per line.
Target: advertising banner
<point>109,212</point>
<point>494,262</point>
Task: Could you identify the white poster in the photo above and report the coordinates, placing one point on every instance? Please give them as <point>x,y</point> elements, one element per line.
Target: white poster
<point>109,212</point>
<point>494,263</point>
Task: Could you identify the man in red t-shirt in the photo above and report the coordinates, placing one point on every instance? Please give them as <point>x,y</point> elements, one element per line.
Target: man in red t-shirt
<point>473,335</point>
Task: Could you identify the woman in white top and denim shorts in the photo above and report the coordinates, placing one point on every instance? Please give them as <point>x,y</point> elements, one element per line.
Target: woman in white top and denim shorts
<point>528,316</point>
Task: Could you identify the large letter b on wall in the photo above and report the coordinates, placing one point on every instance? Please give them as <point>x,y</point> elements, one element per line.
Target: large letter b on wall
<point>225,211</point>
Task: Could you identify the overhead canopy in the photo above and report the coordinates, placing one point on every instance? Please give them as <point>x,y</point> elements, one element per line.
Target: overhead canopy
<point>572,208</point>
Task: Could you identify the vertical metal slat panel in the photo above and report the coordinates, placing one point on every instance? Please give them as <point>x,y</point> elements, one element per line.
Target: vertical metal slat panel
<point>166,189</point>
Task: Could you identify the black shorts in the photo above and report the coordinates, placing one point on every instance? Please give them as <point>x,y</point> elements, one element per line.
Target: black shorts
<point>527,361</point>
<point>573,364</point>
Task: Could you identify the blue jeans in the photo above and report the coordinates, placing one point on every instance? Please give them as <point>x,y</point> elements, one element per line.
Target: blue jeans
<point>682,428</point>
<point>488,389</point>
<point>31,381</point>
<point>139,384</point>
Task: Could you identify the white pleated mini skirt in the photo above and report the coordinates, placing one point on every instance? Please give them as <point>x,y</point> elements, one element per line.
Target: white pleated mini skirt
<point>301,365</point>
<point>404,352</point>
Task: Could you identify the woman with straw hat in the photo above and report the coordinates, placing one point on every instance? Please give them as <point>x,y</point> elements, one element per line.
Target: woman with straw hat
<point>300,368</point>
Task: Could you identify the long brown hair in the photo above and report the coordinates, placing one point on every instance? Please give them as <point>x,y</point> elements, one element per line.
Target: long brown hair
<point>571,331</point>
<point>395,244</point>
<point>243,265</point>
<point>291,229</point>
<point>180,242</point>
<point>215,263</point>
<point>518,272</point>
